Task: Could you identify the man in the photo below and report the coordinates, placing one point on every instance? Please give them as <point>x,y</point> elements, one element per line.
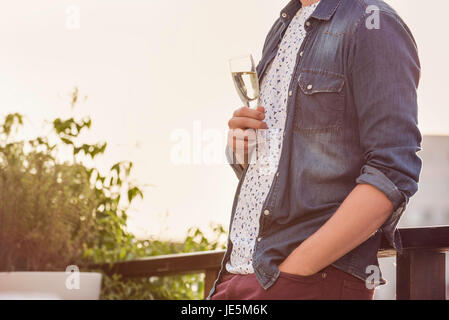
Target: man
<point>338,165</point>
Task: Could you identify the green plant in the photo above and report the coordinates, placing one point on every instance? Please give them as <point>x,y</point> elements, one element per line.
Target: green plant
<point>46,207</point>
<point>178,287</point>
<point>55,213</point>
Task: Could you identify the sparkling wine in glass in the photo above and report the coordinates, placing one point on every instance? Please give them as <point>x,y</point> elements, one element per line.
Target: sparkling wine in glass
<point>246,81</point>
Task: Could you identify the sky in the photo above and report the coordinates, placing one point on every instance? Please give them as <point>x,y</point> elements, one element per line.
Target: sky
<point>156,73</point>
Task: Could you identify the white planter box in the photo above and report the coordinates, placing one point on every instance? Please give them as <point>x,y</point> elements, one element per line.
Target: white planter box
<point>50,286</point>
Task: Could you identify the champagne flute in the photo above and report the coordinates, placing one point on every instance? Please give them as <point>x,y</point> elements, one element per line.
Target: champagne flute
<point>245,78</point>
<point>246,82</point>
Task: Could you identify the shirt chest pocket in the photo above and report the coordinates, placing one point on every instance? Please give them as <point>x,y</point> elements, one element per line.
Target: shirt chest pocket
<point>320,102</point>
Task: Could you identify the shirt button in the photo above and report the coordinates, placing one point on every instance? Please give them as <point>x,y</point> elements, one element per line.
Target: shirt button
<point>277,174</point>
<point>290,93</point>
<point>267,212</point>
<point>284,15</point>
<point>309,87</point>
<point>259,239</point>
<point>301,53</point>
<point>324,275</point>
<point>308,24</point>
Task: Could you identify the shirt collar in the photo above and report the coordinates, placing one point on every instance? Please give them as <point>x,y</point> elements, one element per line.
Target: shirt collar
<point>324,11</point>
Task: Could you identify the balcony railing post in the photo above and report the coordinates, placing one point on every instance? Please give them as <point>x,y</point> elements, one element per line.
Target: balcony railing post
<point>420,275</point>
<point>420,269</point>
<point>211,276</point>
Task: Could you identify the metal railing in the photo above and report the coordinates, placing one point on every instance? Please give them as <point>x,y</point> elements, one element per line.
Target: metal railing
<point>420,269</point>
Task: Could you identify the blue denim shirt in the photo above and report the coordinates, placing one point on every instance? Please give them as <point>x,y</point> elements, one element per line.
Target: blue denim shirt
<point>351,119</point>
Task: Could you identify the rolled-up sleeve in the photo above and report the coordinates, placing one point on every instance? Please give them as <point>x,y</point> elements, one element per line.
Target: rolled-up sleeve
<point>384,75</point>
<point>238,169</point>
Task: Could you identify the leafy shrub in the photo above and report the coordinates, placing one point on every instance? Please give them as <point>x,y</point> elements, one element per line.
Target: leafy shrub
<point>178,287</point>
<point>56,213</point>
<point>45,208</point>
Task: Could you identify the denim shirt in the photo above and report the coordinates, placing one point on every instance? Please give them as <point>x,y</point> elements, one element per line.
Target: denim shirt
<point>351,119</point>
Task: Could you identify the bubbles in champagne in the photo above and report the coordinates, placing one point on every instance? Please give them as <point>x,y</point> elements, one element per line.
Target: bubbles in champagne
<point>247,85</point>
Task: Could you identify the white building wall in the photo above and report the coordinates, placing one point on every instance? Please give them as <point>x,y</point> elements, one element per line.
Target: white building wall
<point>430,205</point>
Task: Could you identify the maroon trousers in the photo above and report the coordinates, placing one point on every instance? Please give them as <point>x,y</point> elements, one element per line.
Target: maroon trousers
<point>328,284</point>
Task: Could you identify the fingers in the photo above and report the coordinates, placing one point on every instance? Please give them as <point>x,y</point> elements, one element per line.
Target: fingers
<point>261,109</point>
<point>246,118</point>
<point>240,139</point>
<point>246,112</point>
<point>243,123</point>
<point>249,134</point>
<point>242,142</point>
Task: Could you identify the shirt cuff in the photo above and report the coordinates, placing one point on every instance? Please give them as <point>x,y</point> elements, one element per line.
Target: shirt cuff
<point>374,177</point>
<point>234,163</point>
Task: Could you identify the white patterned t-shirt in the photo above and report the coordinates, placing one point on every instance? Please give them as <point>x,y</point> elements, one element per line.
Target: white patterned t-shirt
<point>260,174</point>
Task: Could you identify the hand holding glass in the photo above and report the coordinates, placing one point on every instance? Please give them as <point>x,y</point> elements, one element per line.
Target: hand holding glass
<point>246,82</point>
